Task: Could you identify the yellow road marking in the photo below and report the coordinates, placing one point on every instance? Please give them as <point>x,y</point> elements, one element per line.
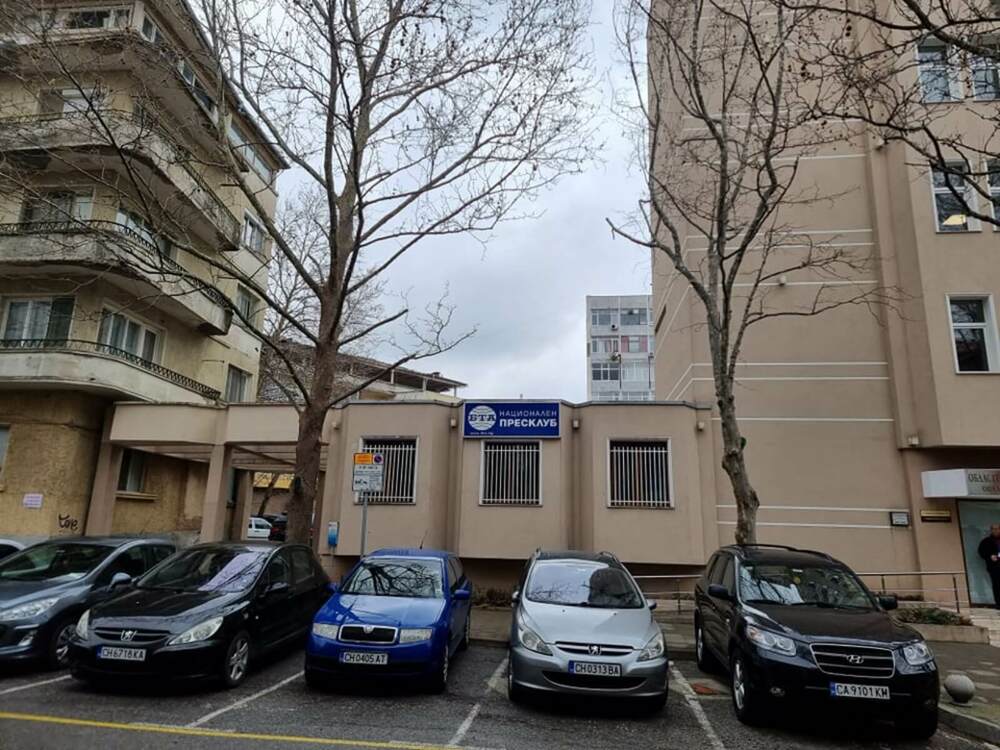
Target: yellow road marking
<point>198,732</point>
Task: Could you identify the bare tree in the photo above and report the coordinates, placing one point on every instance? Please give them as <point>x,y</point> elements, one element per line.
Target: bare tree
<point>402,120</point>
<point>723,126</point>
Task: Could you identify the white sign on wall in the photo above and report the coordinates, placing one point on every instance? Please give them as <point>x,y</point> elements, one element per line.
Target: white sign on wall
<point>981,484</point>
<point>32,500</point>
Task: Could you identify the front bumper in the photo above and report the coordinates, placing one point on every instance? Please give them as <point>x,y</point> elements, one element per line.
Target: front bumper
<point>534,671</point>
<point>418,660</point>
<point>798,679</point>
<point>23,640</point>
<point>188,661</point>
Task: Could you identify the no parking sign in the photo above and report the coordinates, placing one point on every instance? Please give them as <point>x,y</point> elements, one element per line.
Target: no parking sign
<point>369,470</point>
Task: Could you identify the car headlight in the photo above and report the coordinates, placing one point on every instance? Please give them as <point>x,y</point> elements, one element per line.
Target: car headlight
<point>200,632</point>
<point>83,625</point>
<point>31,609</point>
<point>532,641</point>
<point>917,653</point>
<point>414,635</point>
<point>654,649</point>
<point>325,630</point>
<point>771,641</point>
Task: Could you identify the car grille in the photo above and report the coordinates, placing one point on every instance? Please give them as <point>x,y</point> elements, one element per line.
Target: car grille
<point>139,636</point>
<point>593,682</point>
<point>593,649</point>
<point>357,634</point>
<point>854,661</point>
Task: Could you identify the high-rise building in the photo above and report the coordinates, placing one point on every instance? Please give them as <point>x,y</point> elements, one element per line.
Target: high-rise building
<point>619,348</point>
<point>116,230</point>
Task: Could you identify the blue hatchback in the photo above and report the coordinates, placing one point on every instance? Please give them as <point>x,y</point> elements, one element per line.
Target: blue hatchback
<point>398,613</point>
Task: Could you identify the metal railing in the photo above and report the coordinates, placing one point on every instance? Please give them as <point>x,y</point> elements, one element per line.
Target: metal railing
<point>159,260</point>
<point>676,585</point>
<point>78,346</point>
<point>227,222</point>
<point>954,575</point>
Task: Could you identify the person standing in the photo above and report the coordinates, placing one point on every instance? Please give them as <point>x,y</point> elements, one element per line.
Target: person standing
<point>989,550</point>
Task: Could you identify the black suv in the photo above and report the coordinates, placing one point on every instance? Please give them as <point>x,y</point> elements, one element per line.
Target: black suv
<point>795,625</point>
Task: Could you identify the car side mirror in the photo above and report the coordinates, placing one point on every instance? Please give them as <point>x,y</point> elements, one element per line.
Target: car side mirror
<point>120,579</point>
<point>888,602</point>
<point>461,595</point>
<point>651,604</point>
<point>718,591</point>
<point>515,597</point>
<point>333,587</point>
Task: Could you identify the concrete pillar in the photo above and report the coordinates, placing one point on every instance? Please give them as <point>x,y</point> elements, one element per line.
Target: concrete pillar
<point>245,506</point>
<point>101,511</point>
<point>213,516</point>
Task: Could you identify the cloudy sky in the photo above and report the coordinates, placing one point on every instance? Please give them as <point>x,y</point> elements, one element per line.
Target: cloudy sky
<point>525,294</point>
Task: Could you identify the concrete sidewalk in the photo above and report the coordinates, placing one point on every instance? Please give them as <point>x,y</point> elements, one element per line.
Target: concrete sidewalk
<point>981,663</point>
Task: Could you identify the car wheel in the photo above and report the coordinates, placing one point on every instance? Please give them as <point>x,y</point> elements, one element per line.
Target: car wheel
<point>467,635</point>
<point>747,702</point>
<point>57,655</point>
<point>237,661</point>
<point>918,725</point>
<point>706,662</point>
<point>439,682</point>
<point>515,693</point>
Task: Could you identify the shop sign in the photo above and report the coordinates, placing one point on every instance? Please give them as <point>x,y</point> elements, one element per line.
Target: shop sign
<point>974,484</point>
<point>513,419</point>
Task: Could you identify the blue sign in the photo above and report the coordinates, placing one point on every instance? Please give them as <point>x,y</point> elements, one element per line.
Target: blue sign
<point>514,419</point>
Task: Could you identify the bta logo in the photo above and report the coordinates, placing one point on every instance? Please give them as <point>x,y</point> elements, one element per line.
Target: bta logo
<point>482,418</point>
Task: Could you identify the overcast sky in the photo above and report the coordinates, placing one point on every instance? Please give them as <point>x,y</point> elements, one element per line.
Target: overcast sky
<point>525,294</point>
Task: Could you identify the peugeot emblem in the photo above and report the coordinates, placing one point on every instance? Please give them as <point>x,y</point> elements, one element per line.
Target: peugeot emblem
<point>128,635</point>
<point>369,629</point>
<point>594,650</point>
<point>855,659</point>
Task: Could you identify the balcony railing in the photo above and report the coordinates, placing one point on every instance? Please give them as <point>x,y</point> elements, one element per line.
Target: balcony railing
<point>145,126</point>
<point>157,259</point>
<point>78,346</point>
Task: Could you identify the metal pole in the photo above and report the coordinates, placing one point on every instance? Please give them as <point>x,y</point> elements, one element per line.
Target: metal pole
<point>954,586</point>
<point>883,584</point>
<point>364,522</point>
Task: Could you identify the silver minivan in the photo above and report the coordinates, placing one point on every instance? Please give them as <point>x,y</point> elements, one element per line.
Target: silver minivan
<point>582,626</point>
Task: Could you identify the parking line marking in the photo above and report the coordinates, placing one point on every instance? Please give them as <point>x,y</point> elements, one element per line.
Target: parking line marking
<point>243,701</point>
<point>220,733</point>
<point>464,727</point>
<point>699,713</point>
<point>34,684</point>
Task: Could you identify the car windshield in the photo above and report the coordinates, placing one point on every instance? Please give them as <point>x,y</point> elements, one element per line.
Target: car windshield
<point>223,569</point>
<point>819,586</point>
<point>47,562</point>
<point>582,583</point>
<point>420,579</point>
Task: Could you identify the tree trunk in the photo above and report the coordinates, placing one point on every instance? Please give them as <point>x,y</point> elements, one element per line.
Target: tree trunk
<point>734,463</point>
<point>268,492</point>
<point>307,458</point>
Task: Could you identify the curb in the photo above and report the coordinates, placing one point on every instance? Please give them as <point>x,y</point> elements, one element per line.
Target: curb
<point>680,654</point>
<point>491,642</point>
<point>978,728</point>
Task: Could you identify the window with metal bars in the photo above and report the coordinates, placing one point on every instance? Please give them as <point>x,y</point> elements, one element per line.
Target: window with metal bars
<point>511,473</point>
<point>399,457</point>
<point>639,474</point>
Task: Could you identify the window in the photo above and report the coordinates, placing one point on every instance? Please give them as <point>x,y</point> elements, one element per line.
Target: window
<point>197,88</point>
<point>604,344</point>
<point>4,442</point>
<point>123,333</point>
<point>639,474</point>
<point>131,222</point>
<point>151,32</point>
<point>511,473</point>
<point>302,568</point>
<point>97,18</point>
<point>69,101</point>
<point>635,371</point>
<point>603,316</point>
<point>993,180</point>
<point>635,317</point>
<point>399,459</point>
<point>729,576</point>
<point>953,198</point>
<point>974,334</point>
<point>938,70</point>
<point>605,371</point>
<point>986,76</point>
<point>131,562</point>
<point>57,205</point>
<point>246,303</point>
<point>253,235</point>
<point>279,570</point>
<point>633,344</point>
<point>637,396</point>
<point>237,385</point>
<point>609,396</point>
<point>39,318</point>
<point>156,553</point>
<point>243,146</point>
<point>132,476</point>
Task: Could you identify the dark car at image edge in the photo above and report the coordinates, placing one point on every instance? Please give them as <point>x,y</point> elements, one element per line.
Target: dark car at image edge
<point>797,628</point>
<point>207,612</point>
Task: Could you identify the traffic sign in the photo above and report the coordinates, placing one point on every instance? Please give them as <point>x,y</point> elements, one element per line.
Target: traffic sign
<point>369,471</point>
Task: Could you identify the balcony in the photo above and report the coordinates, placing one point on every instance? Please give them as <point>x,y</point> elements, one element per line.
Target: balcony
<point>123,134</point>
<point>92,366</point>
<point>122,256</point>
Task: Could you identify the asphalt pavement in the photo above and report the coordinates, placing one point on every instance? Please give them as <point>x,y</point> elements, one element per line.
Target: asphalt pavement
<point>274,709</point>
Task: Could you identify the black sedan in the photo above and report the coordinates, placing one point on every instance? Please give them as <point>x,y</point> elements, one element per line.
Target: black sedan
<point>207,612</point>
<point>45,588</point>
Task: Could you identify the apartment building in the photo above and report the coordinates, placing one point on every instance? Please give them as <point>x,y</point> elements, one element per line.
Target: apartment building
<point>117,228</point>
<point>875,437</point>
<point>619,348</point>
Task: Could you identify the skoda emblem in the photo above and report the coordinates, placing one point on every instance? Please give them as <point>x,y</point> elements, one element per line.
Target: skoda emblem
<point>128,635</point>
<point>855,659</point>
<point>369,628</point>
<point>594,650</point>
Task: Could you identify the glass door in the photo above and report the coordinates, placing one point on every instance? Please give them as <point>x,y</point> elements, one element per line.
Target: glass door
<point>976,517</point>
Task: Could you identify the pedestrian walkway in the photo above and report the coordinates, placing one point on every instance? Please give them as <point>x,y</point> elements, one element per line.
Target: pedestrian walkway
<point>989,619</point>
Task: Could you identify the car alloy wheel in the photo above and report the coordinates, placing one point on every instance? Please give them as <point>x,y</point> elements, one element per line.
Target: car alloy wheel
<point>699,644</point>
<point>739,686</point>
<point>440,682</point>
<point>237,660</point>
<point>467,635</point>
<point>60,644</point>
<point>751,707</point>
